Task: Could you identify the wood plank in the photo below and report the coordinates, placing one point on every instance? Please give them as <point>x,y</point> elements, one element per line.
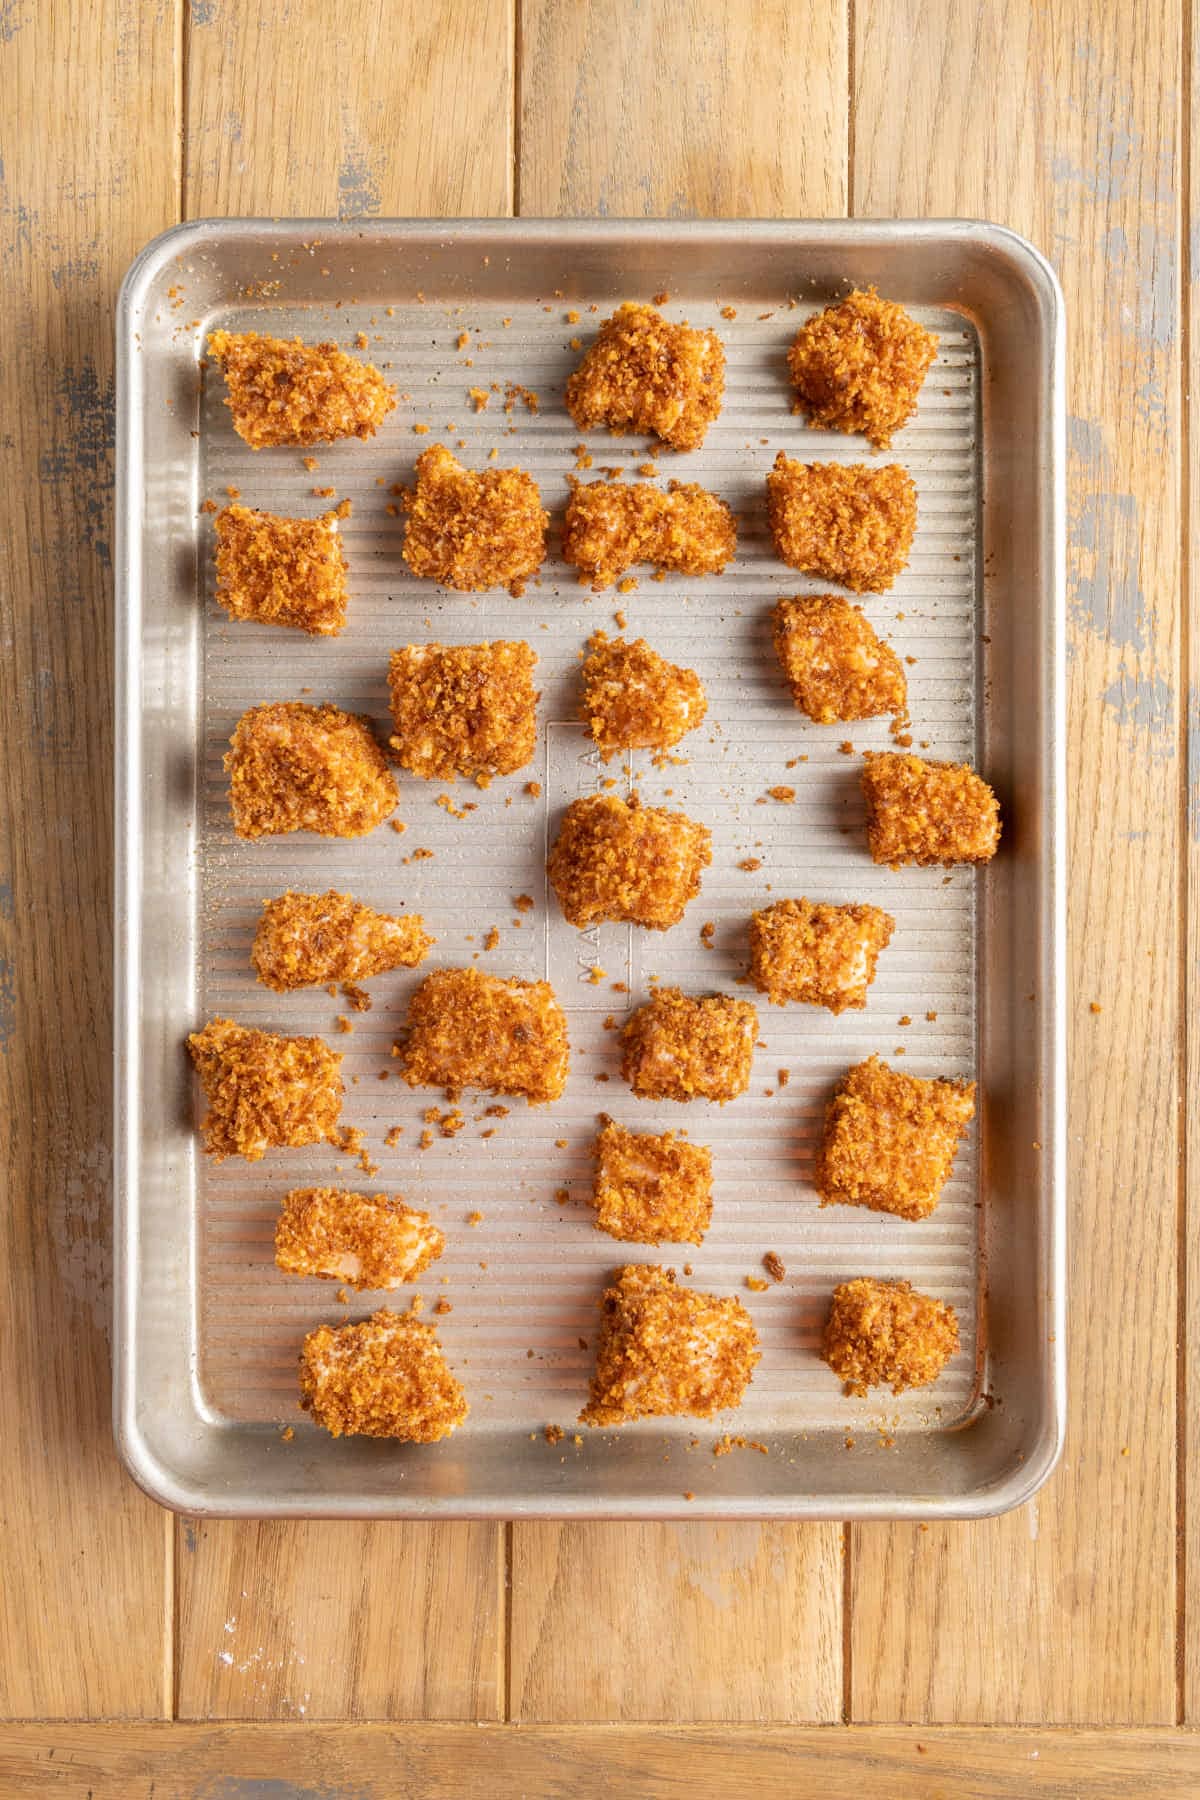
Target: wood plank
<point>84,1558</point>
<point>671,108</point>
<point>240,1762</point>
<point>1063,121</point>
<point>402,109</point>
<point>1189,1237</point>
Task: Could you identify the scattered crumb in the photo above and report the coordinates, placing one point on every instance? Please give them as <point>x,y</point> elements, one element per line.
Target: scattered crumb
<point>707,933</point>
<point>1095,1006</point>
<point>343,1023</point>
<point>750,863</point>
<point>492,938</point>
<point>774,1265</point>
<point>724,1445</point>
<point>287,1434</point>
<point>533,789</point>
<point>554,1434</point>
<point>474,1218</point>
<point>358,997</point>
<point>756,1284</point>
<point>784,795</point>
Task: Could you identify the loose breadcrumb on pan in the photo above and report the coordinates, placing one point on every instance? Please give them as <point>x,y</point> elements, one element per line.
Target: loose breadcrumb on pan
<point>305,940</point>
<point>860,366</point>
<point>283,391</point>
<point>927,812</point>
<point>611,525</point>
<point>463,709</point>
<point>651,1189</point>
<point>294,767</point>
<point>264,1091</point>
<point>819,955</point>
<point>281,571</point>
<point>889,1140</point>
<point>852,525</point>
<point>837,667</point>
<point>668,1351</point>
<point>470,531</point>
<point>643,374</point>
<point>470,1030</point>
<point>617,860</point>
<point>634,699</point>
<point>885,1332</point>
<point>364,1240</point>
<point>383,1377</point>
<point>680,1047</point>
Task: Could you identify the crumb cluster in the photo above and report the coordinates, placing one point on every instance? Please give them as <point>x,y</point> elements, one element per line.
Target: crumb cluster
<point>666,1350</point>
<point>889,1139</point>
<point>634,699</point>
<point>384,1377</point>
<point>294,767</point>
<point>885,1332</point>
<point>470,1030</point>
<point>848,524</point>
<point>614,859</point>
<point>819,955</point>
<point>264,1092</point>
<point>927,812</point>
<point>280,571</point>
<point>611,525</point>
<point>860,366</point>
<point>363,1240</point>
<point>473,532</point>
<point>282,391</point>
<point>837,667</point>
<point>463,709</point>
<point>305,940</point>
<point>680,1047</point>
<point>643,374</point>
<point>651,1189</point>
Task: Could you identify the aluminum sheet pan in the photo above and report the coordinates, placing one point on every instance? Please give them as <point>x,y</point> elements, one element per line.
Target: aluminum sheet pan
<point>207,1329</point>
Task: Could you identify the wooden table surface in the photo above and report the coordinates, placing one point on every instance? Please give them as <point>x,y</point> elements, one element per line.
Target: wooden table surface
<point>1054,1651</point>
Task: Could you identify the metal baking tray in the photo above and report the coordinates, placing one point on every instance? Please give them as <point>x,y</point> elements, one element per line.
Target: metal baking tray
<point>207,1330</point>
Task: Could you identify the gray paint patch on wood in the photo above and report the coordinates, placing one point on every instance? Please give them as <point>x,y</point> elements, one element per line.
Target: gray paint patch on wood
<point>1145,703</point>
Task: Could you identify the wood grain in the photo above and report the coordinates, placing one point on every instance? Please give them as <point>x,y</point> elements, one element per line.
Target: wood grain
<point>250,1762</point>
<point>1189,1237</point>
<point>388,109</point>
<point>1063,121</point>
<point>84,1559</point>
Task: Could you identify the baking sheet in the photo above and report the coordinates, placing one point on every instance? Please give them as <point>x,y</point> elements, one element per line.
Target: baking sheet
<point>523,1279</point>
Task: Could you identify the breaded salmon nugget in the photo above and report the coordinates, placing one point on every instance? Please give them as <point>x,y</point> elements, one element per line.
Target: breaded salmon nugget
<point>364,1240</point>
<point>616,859</point>
<point>473,532</point>
<point>470,1030</point>
<point>677,1047</point>
<point>927,812</point>
<point>889,1140</point>
<point>634,699</point>
<point>642,374</point>
<point>836,666</point>
<point>310,940</point>
<point>859,366</point>
<point>881,1332</point>
<point>285,392</point>
<point>281,571</point>
<point>651,1189</point>
<point>668,1351</point>
<point>384,1377</point>
<point>818,955</point>
<point>264,1092</point>
<point>847,524</point>
<point>611,525</point>
<point>294,767</point>
<point>463,709</point>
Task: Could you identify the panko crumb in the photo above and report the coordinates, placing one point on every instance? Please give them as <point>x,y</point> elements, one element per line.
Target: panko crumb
<point>889,1140</point>
<point>304,940</point>
<point>853,525</point>
<point>819,955</point>
<point>725,1444</point>
<point>679,1047</point>
<point>642,374</point>
<point>294,767</point>
<point>611,525</point>
<point>668,1351</point>
<point>927,812</point>
<point>383,1377</point>
<point>283,391</point>
<point>617,860</point>
<point>836,666</point>
<point>885,1332</point>
<point>287,1434</point>
<point>473,532</point>
<point>280,571</point>
<point>860,365</point>
<point>651,1189</point>
<point>634,699</point>
<point>265,1091</point>
<point>463,709</point>
<point>363,1240</point>
<point>470,1030</point>
<point>774,1264</point>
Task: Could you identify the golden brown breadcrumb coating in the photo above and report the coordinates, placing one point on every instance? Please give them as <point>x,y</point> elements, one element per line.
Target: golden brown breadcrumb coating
<point>634,699</point>
<point>642,374</point>
<point>927,812</point>
<point>668,1351</point>
<point>294,767</point>
<point>384,1377</point>
<point>816,954</point>
<point>859,366</point>
<point>473,532</point>
<point>363,1240</point>
<point>680,1047</point>
<point>852,525</point>
<point>611,525</point>
<point>281,571</point>
<point>837,668</point>
<point>885,1331</point>
<point>463,709</point>
<point>616,859</point>
<point>306,940</point>
<point>470,1030</point>
<point>264,1091</point>
<point>651,1189</point>
<point>283,391</point>
<point>889,1139</point>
